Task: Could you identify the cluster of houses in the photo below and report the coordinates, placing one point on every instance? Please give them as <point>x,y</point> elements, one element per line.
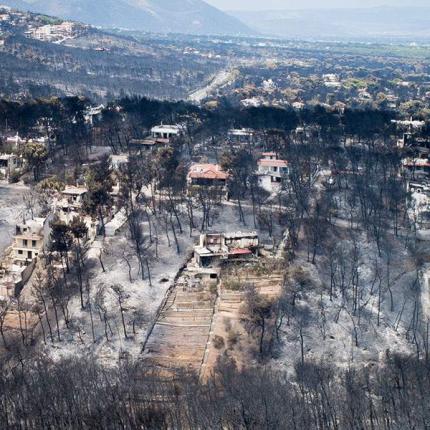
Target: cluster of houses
<point>10,162</point>
<point>55,32</point>
<point>416,167</point>
<point>271,171</point>
<point>32,236</point>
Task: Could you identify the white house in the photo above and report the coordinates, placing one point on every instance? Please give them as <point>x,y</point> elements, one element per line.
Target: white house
<point>74,196</point>
<point>215,248</point>
<point>167,132</point>
<point>29,240</point>
<point>93,113</point>
<point>271,171</point>
<point>8,164</point>
<point>241,135</point>
<point>118,160</point>
<point>15,141</point>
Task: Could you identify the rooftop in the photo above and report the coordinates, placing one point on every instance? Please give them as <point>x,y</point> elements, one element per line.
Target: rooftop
<point>7,156</point>
<point>241,132</point>
<point>207,171</point>
<point>74,191</point>
<point>30,227</point>
<point>172,129</point>
<point>272,163</point>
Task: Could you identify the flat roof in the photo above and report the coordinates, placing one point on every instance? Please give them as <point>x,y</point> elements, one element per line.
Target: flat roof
<point>241,132</point>
<point>172,129</point>
<point>75,190</point>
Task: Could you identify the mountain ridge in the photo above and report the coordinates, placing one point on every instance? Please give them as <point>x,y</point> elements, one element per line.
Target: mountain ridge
<point>382,22</point>
<point>160,16</point>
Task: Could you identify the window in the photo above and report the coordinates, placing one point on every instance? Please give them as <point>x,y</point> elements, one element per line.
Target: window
<point>33,243</point>
<point>25,242</point>
<point>20,251</point>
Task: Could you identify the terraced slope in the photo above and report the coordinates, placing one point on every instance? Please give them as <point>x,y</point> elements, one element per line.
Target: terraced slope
<point>181,332</point>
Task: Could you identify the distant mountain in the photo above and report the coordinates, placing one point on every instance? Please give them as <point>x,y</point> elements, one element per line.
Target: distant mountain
<point>17,4</point>
<point>366,23</point>
<point>162,16</point>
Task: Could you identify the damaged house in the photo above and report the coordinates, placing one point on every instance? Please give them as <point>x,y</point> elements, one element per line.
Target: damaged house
<point>271,172</point>
<point>216,248</point>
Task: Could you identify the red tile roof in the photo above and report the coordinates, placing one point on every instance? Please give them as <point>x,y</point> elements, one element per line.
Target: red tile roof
<point>273,163</point>
<point>207,171</point>
<point>240,251</point>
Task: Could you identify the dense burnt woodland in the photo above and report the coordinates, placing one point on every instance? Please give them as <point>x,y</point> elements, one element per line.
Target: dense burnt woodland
<point>38,69</point>
<point>79,394</point>
<point>354,232</point>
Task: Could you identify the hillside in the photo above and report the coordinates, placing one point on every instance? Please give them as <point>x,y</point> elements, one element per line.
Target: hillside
<point>161,16</point>
<point>47,57</point>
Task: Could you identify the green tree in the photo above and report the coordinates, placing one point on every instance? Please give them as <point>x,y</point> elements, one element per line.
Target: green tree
<point>36,155</point>
<point>61,240</point>
<point>100,184</point>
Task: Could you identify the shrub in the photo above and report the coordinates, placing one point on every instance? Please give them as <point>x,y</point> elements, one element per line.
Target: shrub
<point>218,342</point>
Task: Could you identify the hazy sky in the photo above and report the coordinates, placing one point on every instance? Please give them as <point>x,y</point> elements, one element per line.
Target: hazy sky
<point>305,4</point>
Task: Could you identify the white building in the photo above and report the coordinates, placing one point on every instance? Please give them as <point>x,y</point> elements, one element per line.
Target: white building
<point>240,135</point>
<point>118,160</point>
<point>167,132</point>
<point>74,196</point>
<point>331,81</point>
<point>50,33</point>
<point>271,172</point>
<point>93,113</point>
<point>15,141</point>
<point>9,163</point>
<point>409,124</point>
<point>215,248</point>
<point>29,240</point>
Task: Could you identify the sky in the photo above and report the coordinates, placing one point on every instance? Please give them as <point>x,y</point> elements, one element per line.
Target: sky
<point>309,4</point>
